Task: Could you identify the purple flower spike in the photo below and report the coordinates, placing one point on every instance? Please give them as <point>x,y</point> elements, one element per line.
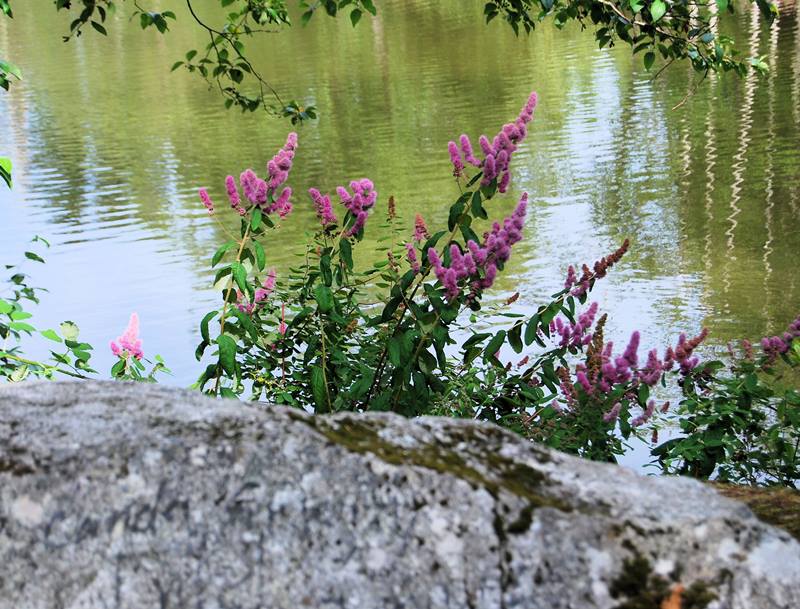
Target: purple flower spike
<point>322,205</point>
<point>466,148</point>
<point>455,159</point>
<point>411,254</point>
<point>630,354</point>
<point>206,201</point>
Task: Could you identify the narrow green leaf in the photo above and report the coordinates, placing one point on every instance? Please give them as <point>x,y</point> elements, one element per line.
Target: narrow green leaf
<point>494,344</point>
<point>220,253</point>
<point>261,258</point>
<point>204,325</point>
<point>240,276</point>
<point>318,389</point>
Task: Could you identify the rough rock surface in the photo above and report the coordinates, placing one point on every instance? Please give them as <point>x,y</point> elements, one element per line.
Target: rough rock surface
<point>123,496</point>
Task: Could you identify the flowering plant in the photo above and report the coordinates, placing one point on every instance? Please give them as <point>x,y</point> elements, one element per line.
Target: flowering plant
<point>400,334</point>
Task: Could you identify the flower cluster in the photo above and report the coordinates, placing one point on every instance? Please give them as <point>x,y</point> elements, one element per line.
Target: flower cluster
<point>259,296</point>
<point>129,344</point>
<point>603,372</point>
<point>496,249</point>
<point>262,193</point>
<point>575,335</point>
<point>420,229</point>
<point>411,255</point>
<point>322,205</point>
<point>773,346</point>
<point>498,152</point>
<point>206,199</point>
<point>683,353</point>
<point>359,203</point>
<point>580,286</point>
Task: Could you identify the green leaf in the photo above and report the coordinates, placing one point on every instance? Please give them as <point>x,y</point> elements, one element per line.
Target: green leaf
<point>318,388</point>
<point>220,253</point>
<point>204,325</point>
<point>21,326</point>
<point>255,221</point>
<point>722,5</point>
<point>355,16</point>
<point>118,368</point>
<point>475,338</point>
<point>514,338</point>
<point>227,354</point>
<point>324,297</point>
<point>10,68</point>
<point>99,28</point>
<point>246,323</point>
<point>494,344</point>
<point>51,335</point>
<point>176,65</point>
<point>5,170</point>
<point>657,9</point>
<point>261,258</point>
<point>346,253</point>
<point>69,330</point>
<point>649,58</point>
<point>33,256</point>
<point>240,276</point>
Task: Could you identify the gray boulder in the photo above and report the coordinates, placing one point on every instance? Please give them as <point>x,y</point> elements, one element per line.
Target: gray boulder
<point>134,496</point>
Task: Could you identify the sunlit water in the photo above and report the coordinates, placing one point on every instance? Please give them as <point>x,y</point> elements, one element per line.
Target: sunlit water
<point>110,148</point>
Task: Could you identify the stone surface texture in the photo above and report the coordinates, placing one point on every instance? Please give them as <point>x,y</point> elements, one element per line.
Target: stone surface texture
<point>117,495</point>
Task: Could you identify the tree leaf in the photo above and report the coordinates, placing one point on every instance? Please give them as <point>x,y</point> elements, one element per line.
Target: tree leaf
<point>649,58</point>
<point>99,28</point>
<point>657,9</point>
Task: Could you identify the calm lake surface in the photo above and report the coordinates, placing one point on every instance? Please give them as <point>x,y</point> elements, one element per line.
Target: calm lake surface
<point>110,148</point>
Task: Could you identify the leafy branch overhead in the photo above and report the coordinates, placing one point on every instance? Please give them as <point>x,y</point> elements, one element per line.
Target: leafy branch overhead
<point>671,29</point>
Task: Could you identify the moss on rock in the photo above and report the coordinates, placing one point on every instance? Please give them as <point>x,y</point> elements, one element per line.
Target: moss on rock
<point>778,506</point>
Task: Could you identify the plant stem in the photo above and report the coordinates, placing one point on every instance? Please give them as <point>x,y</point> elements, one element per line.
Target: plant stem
<point>228,290</point>
<point>39,364</point>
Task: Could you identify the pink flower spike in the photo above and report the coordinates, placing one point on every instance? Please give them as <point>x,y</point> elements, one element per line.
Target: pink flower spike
<point>455,159</point>
<point>206,200</point>
<point>129,342</point>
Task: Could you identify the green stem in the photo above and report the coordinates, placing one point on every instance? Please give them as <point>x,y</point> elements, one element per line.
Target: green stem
<point>228,290</point>
<point>22,360</point>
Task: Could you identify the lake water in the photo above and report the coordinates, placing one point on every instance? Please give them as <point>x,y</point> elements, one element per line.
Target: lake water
<point>110,148</point>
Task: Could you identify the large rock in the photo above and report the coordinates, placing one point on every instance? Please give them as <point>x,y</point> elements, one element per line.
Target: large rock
<point>134,496</point>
